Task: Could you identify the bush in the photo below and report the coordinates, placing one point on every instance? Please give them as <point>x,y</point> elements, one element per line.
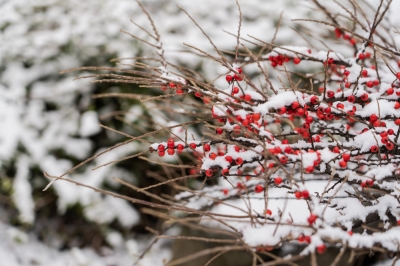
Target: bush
<point>302,154</point>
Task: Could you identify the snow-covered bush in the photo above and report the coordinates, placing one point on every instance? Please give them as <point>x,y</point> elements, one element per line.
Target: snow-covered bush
<point>291,145</point>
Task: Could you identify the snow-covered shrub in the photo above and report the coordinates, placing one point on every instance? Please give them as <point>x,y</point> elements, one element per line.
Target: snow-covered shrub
<point>302,153</point>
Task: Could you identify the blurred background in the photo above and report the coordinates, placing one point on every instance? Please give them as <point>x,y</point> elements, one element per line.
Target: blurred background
<point>49,122</point>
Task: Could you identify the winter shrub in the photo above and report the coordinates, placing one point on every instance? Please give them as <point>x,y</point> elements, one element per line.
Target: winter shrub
<point>288,145</point>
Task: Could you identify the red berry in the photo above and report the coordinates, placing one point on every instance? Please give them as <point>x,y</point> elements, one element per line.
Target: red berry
<point>305,194</point>
<point>239,161</point>
<point>346,73</point>
<point>171,151</point>
<point>321,249</point>
<point>310,169</point>
<point>212,156</point>
<point>307,239</point>
<point>237,77</point>
<point>364,73</point>
<point>336,149</point>
<point>179,91</point>
<point>161,153</point>
<point>296,60</point>
<point>171,143</point>
<point>375,82</point>
<point>229,159</point>
<point>390,91</point>
<point>237,148</point>
<point>370,84</point>
<point>247,97</point>
<point>390,146</point>
<point>364,97</point>
<point>397,121</point>
<point>295,105</point>
<point>219,130</point>
<point>206,147</point>
<point>338,33</point>
<point>239,70</point>
<point>312,219</point>
<point>373,118</point>
<point>235,90</point>
<point>340,105</point>
<point>193,146</point>
<point>350,233</point>
<point>351,99</point>
<point>225,171</point>
<point>283,159</point>
<point>209,172</point>
<point>346,157</point>
<point>259,189</point>
<point>229,78</point>
<point>161,147</point>
<point>398,75</point>
<point>361,56</point>
<point>342,164</point>
<point>278,180</point>
<point>314,100</point>
<point>285,141</point>
<point>197,94</point>
<point>397,105</point>
<point>268,212</point>
<point>374,149</point>
<point>256,116</point>
<point>225,191</point>
<point>297,194</point>
<point>180,147</point>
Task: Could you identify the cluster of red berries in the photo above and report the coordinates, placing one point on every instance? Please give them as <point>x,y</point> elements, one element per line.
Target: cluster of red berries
<point>339,33</point>
<point>302,194</point>
<point>280,59</point>
<point>237,77</point>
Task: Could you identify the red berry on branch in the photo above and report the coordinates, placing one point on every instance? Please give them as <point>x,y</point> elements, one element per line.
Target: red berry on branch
<point>258,189</point>
<point>229,159</point>
<point>330,94</point>
<point>351,99</point>
<point>305,194</point>
<point>225,171</point>
<point>312,218</point>
<point>364,73</point>
<point>321,249</point>
<point>361,56</point>
<point>370,84</point>
<point>180,147</point>
<point>296,60</point>
<point>179,91</point>
<point>237,77</point>
<point>390,146</point>
<point>268,212</point>
<point>314,100</point>
<point>161,153</point>
<point>374,149</point>
<point>193,146</point>
<point>235,90</point>
<point>225,191</point>
<point>212,156</point>
<point>295,105</point>
<point>239,161</point>
<point>247,97</point>
<point>209,172</point>
<point>206,147</point>
<point>229,78</point>
<point>283,159</point>
<point>161,147</point>
<point>346,157</point>
<point>340,105</point>
<point>310,169</point>
<point>171,151</point>
<point>256,116</point>
<point>239,70</point>
<point>398,75</point>
<point>278,180</point>
<point>390,91</point>
<point>219,131</point>
<point>297,194</point>
<point>342,164</point>
<point>364,97</point>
